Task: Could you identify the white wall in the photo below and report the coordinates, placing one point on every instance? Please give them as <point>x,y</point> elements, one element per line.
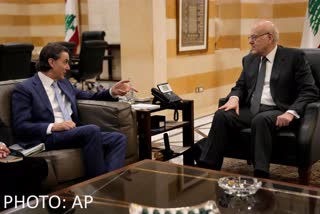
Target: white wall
<point>104,15</point>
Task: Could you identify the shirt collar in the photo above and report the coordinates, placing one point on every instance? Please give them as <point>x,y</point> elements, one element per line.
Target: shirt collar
<point>46,81</point>
<point>272,54</point>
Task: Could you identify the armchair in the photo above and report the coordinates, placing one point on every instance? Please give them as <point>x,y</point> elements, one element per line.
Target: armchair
<point>71,47</point>
<point>90,60</point>
<point>93,35</point>
<point>15,61</point>
<point>300,149</point>
<point>67,165</point>
<point>99,35</point>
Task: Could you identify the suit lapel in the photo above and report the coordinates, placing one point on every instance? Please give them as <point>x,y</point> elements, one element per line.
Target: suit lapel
<point>68,95</point>
<point>279,59</point>
<point>254,70</point>
<point>64,90</point>
<point>41,92</point>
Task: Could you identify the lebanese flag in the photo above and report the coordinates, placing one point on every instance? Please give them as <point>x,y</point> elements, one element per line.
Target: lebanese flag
<point>72,22</point>
<point>311,34</point>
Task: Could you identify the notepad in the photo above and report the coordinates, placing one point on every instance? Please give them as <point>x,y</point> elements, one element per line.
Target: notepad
<point>12,157</point>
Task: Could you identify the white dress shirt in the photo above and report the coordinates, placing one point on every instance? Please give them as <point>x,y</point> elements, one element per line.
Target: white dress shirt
<point>47,84</point>
<point>266,98</point>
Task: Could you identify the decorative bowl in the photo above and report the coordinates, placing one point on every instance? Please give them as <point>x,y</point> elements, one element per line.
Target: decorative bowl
<point>239,186</point>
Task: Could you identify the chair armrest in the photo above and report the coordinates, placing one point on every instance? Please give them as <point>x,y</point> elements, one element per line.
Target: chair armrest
<point>309,123</point>
<point>223,100</point>
<point>309,134</point>
<point>111,116</point>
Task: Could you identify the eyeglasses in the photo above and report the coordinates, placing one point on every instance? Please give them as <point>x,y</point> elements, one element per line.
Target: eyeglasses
<point>255,37</point>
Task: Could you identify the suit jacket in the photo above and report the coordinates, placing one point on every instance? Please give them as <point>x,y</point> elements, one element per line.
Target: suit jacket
<point>32,111</point>
<point>291,83</point>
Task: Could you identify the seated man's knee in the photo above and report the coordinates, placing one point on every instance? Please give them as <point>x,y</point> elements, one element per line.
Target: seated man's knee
<point>92,128</point>
<point>221,114</point>
<point>258,120</point>
<point>87,132</point>
<point>122,138</point>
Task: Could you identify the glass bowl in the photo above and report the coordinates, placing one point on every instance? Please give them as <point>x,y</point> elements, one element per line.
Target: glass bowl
<point>239,186</point>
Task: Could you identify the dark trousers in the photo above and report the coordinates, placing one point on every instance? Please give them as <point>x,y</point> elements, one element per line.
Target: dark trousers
<point>23,178</point>
<point>227,124</point>
<point>102,151</point>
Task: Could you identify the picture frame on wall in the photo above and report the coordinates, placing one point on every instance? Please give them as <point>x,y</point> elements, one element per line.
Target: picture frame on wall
<point>192,26</point>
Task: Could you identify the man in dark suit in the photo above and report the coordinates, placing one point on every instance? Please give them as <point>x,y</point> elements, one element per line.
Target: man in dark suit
<point>275,85</point>
<point>44,110</point>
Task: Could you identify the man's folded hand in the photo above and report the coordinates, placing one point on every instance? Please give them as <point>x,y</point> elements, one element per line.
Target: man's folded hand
<point>63,126</point>
<point>284,119</point>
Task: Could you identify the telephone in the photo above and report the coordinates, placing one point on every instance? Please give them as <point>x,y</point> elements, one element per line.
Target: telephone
<point>164,94</point>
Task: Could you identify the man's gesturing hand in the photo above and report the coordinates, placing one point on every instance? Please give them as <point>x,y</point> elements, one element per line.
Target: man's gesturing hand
<point>233,103</point>
<point>63,126</point>
<point>284,119</point>
<point>122,87</point>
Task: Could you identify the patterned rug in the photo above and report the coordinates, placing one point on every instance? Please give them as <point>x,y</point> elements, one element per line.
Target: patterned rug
<point>277,172</point>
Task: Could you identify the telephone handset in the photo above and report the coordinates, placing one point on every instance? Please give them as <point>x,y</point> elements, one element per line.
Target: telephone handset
<point>164,94</point>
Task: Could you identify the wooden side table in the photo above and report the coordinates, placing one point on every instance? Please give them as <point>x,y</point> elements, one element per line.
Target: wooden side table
<point>145,132</point>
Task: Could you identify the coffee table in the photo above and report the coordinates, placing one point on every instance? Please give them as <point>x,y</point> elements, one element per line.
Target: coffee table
<point>162,184</point>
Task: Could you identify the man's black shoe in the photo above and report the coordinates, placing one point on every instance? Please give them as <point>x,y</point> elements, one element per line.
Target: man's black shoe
<point>261,174</point>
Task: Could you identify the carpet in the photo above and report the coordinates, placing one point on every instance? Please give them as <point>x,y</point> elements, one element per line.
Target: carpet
<point>277,172</point>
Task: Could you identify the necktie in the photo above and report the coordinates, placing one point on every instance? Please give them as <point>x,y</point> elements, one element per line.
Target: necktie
<point>256,96</point>
<point>62,106</point>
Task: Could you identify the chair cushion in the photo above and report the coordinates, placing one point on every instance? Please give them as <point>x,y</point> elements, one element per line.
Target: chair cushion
<point>67,163</point>
<point>285,143</point>
<point>6,89</point>
<point>111,116</point>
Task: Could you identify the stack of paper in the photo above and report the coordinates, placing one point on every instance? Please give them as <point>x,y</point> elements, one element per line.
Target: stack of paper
<point>144,106</point>
<point>34,150</point>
